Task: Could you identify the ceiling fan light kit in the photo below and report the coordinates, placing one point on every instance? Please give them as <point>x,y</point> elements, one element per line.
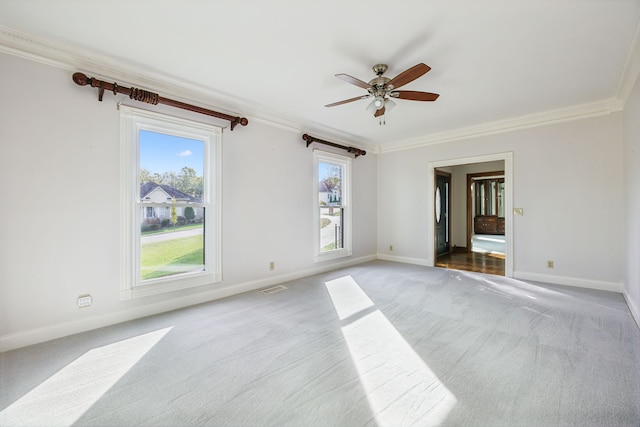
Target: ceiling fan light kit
<point>382,89</point>
<point>378,102</point>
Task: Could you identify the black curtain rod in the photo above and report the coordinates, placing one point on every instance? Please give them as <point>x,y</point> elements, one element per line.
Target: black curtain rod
<point>310,139</point>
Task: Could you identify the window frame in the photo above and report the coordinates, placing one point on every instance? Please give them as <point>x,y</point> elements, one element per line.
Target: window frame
<point>320,156</point>
<point>132,121</point>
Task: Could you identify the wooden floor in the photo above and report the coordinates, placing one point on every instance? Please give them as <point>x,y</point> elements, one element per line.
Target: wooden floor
<point>473,261</point>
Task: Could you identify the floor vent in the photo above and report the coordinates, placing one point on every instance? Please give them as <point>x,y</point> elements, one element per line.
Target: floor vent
<point>273,290</point>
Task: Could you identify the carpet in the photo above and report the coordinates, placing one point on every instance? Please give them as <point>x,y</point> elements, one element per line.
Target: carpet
<point>379,344</point>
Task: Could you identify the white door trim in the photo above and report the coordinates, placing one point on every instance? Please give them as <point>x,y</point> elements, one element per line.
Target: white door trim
<point>507,157</point>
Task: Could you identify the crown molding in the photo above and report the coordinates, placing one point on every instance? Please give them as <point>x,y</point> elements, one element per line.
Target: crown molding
<point>108,68</point>
<point>37,49</point>
<point>630,71</point>
<point>63,56</point>
<point>578,112</point>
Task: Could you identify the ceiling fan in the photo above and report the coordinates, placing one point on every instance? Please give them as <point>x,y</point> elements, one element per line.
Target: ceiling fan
<point>382,89</point>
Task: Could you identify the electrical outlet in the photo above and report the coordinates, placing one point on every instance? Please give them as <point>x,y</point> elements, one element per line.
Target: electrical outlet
<point>84,301</point>
<point>518,211</point>
<point>549,264</point>
<point>272,265</point>
<point>390,247</point>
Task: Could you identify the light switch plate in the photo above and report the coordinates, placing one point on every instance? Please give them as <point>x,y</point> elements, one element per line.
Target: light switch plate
<point>518,211</point>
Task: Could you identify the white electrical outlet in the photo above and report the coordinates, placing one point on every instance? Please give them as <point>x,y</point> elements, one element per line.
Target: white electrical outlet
<point>272,265</point>
<point>390,247</point>
<point>549,264</point>
<point>84,301</point>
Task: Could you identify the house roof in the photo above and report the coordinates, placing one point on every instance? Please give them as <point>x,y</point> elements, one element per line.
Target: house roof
<point>324,187</point>
<point>148,187</point>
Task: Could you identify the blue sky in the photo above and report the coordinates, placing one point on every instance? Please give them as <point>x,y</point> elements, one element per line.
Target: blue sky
<point>165,153</point>
<point>324,170</point>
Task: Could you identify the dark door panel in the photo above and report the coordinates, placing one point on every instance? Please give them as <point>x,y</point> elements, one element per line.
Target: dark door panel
<point>442,205</point>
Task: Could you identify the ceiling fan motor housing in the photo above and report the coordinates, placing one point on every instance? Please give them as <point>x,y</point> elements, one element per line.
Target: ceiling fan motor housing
<point>378,85</point>
<point>380,69</point>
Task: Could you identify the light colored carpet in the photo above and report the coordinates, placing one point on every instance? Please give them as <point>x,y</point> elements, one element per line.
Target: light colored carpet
<point>373,345</point>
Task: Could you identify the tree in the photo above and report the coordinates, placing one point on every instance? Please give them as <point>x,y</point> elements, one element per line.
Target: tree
<point>189,182</point>
<point>189,214</point>
<point>174,214</point>
<point>145,175</point>
<point>186,181</point>
<point>334,181</point>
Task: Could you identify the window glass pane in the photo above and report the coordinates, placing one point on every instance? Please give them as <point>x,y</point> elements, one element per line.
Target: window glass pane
<point>438,205</point>
<point>167,251</point>
<point>173,161</point>
<point>331,228</point>
<point>501,198</point>
<point>492,198</point>
<point>330,185</point>
<point>172,211</point>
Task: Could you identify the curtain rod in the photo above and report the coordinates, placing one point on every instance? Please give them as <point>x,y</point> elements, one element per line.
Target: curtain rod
<point>151,98</point>
<point>310,139</point>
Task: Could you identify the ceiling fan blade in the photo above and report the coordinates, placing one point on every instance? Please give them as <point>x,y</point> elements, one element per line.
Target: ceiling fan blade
<point>379,112</point>
<point>347,78</point>
<point>414,95</point>
<point>409,75</point>
<point>357,98</point>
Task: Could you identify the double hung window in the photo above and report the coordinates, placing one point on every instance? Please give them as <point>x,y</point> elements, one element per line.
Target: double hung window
<point>170,180</point>
<point>332,190</point>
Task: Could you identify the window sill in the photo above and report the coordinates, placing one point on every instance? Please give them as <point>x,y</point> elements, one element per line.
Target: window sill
<point>335,254</point>
<point>171,285</point>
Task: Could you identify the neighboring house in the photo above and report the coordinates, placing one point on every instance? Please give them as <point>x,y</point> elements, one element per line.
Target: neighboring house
<point>328,193</point>
<point>152,193</point>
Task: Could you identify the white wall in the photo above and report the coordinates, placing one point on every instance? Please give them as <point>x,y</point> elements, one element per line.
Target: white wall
<point>59,228</point>
<point>632,201</point>
<point>566,176</point>
<point>59,183</point>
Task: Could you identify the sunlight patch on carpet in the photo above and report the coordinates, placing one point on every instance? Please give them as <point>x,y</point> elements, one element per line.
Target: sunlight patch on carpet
<point>400,387</point>
<point>63,398</point>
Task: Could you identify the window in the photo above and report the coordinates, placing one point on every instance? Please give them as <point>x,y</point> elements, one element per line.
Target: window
<point>489,196</point>
<point>170,182</point>
<point>332,174</point>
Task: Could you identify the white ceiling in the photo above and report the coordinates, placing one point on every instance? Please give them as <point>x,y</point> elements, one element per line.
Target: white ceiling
<point>491,60</point>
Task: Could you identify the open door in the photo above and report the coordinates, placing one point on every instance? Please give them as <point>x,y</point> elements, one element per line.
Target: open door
<point>442,208</point>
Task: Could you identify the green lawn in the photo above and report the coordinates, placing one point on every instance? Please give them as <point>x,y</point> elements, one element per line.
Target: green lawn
<point>171,257</point>
<point>329,247</point>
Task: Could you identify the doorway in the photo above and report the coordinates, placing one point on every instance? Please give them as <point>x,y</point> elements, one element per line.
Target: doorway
<point>460,253</point>
<point>485,213</point>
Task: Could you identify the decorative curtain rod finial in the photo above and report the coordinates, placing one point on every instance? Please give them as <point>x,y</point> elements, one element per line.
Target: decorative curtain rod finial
<point>81,79</point>
<point>148,97</point>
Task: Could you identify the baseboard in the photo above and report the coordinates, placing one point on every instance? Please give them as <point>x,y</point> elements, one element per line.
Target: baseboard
<point>405,260</point>
<point>570,281</point>
<point>47,333</point>
<point>633,308</point>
